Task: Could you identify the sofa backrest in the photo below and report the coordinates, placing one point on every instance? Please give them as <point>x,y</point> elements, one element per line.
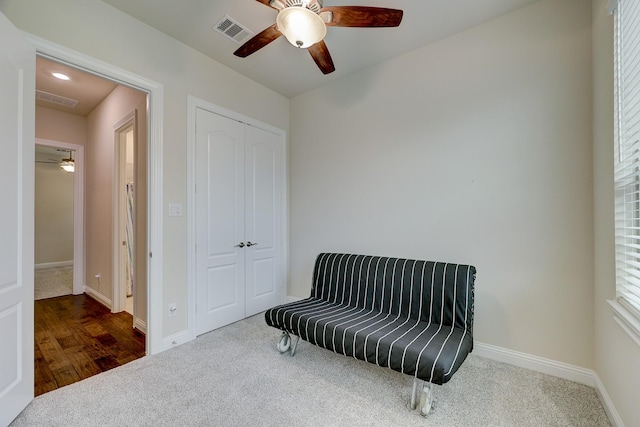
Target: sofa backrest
<point>436,292</point>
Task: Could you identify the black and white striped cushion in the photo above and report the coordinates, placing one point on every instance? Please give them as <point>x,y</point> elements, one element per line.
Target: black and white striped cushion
<point>411,316</point>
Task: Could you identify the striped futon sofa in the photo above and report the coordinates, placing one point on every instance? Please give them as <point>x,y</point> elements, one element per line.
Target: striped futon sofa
<point>415,317</point>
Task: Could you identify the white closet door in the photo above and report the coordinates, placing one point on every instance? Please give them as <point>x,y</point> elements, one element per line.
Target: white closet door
<point>220,265</point>
<point>17,116</point>
<point>263,213</point>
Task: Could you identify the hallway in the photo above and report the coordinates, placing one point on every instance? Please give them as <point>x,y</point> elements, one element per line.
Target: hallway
<point>76,337</point>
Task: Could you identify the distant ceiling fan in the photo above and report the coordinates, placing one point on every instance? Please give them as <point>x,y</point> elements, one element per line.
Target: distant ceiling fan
<point>304,22</point>
<point>68,165</point>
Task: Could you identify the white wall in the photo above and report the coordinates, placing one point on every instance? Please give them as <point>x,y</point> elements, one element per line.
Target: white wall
<point>54,188</point>
<point>93,28</point>
<point>616,355</point>
<point>475,149</point>
<point>99,189</point>
<point>53,212</point>
<point>60,126</point>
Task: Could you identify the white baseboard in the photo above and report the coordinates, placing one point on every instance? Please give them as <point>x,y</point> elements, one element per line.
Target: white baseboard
<point>523,360</point>
<point>552,367</point>
<point>546,366</point>
<point>54,264</point>
<point>607,403</point>
<point>140,325</point>
<point>98,297</point>
<point>535,363</point>
<point>175,340</point>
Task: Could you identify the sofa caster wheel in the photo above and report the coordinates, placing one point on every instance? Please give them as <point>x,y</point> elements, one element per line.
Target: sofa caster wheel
<point>284,343</point>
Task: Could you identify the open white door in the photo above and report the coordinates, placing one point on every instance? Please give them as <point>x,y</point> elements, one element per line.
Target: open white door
<point>17,118</point>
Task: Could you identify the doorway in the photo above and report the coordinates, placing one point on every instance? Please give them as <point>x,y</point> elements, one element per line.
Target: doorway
<point>89,111</point>
<point>17,322</point>
<point>125,266</point>
<point>59,218</point>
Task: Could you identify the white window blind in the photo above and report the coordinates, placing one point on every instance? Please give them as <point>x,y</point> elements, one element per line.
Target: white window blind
<point>627,153</point>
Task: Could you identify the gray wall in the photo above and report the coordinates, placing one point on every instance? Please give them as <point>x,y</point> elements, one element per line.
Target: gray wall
<point>474,149</point>
<point>616,355</point>
<point>53,212</point>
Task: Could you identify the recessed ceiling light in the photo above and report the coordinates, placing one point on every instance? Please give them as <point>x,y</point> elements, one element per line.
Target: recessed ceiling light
<point>60,76</point>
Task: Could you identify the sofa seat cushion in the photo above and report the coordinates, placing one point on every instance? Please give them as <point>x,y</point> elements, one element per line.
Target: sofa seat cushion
<point>432,352</point>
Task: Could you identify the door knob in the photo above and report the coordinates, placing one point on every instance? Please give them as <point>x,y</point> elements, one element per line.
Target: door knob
<point>240,245</point>
<point>251,244</point>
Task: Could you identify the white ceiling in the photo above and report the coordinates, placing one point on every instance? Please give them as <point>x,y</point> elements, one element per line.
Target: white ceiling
<point>89,90</point>
<point>291,71</point>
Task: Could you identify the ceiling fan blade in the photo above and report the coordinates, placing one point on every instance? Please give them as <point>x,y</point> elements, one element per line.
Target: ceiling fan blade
<point>322,57</point>
<point>363,16</point>
<point>258,41</point>
<point>266,3</point>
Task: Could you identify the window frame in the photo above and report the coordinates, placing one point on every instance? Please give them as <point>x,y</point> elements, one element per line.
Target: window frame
<point>626,306</point>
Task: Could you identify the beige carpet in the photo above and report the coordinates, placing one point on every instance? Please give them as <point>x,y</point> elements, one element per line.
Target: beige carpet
<point>53,282</point>
<point>234,376</point>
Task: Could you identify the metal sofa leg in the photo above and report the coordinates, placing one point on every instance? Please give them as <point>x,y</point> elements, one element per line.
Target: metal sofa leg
<point>426,399</point>
<point>414,394</point>
<point>295,345</point>
<point>422,396</point>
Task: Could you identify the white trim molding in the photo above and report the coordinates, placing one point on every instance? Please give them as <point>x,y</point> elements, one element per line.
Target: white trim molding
<point>140,325</point>
<point>155,100</point>
<point>119,208</point>
<point>551,367</point>
<point>607,403</point>
<point>543,365</point>
<point>98,297</point>
<point>627,321</point>
<point>44,265</point>
<point>78,210</point>
<point>535,363</point>
<point>176,340</point>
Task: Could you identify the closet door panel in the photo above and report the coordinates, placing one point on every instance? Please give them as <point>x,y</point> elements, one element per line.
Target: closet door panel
<point>263,213</point>
<point>220,262</point>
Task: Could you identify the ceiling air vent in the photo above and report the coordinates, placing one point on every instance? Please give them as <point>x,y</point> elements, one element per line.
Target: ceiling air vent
<point>232,30</point>
<point>55,99</point>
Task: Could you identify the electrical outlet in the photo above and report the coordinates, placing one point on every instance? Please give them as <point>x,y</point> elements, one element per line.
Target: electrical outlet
<point>175,209</point>
<point>172,309</point>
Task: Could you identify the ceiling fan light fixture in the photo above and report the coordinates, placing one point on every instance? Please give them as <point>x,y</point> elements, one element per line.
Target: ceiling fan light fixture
<point>68,165</point>
<point>301,26</point>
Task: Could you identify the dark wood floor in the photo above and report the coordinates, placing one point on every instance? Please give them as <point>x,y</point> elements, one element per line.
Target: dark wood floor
<point>77,337</point>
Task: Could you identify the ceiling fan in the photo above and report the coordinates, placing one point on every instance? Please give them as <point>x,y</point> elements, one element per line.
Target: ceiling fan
<point>304,24</point>
<point>67,164</point>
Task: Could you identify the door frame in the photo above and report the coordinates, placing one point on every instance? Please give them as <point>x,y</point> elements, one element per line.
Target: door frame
<point>78,210</point>
<point>155,95</point>
<point>193,104</point>
<point>118,296</point>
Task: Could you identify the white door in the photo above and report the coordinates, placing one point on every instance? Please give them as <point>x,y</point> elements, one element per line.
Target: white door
<point>263,219</point>
<point>219,221</point>
<point>239,191</point>
<point>17,117</point>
